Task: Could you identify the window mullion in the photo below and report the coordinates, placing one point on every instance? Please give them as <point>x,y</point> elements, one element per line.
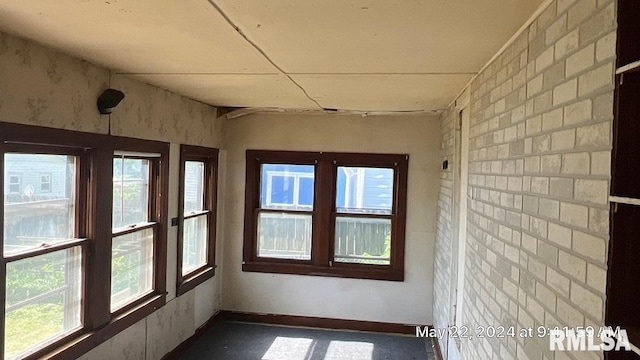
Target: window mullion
<point>98,273</point>
<point>321,235</point>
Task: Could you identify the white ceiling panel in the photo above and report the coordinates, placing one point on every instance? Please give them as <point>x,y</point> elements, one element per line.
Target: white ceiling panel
<point>235,90</point>
<point>383,92</point>
<point>375,55</point>
<point>379,36</point>
<point>140,36</point>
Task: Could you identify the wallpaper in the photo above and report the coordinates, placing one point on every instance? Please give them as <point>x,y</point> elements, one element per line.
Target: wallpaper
<point>41,86</point>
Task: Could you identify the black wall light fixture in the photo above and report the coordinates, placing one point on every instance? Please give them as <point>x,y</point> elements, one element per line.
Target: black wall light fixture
<point>109,99</point>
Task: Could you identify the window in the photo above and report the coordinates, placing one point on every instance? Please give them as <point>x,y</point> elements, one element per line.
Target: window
<point>79,261</point>
<point>45,182</point>
<point>329,214</point>
<point>43,247</point>
<point>14,184</point>
<point>134,227</point>
<point>197,223</point>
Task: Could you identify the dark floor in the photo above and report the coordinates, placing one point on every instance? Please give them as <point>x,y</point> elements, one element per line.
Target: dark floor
<point>243,341</point>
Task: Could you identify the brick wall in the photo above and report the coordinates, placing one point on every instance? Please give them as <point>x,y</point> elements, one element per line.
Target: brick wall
<point>539,164</point>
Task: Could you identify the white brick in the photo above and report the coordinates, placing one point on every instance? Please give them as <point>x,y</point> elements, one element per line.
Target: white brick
<point>582,10</point>
<point>589,246</point>
<point>596,135</point>
<point>544,60</point>
<point>549,208</point>
<point>599,220</point>
<point>596,277</point>
<point>540,185</point>
<point>606,47</point>
<point>550,163</point>
<point>552,119</point>
<point>577,163</point>
<point>563,140</point>
<point>567,91</point>
<point>601,163</point>
<point>596,191</point>
<point>539,227</point>
<point>568,314</point>
<point>578,112</point>
<point>534,85</point>
<point>535,309</point>
<point>529,243</point>
<point>558,282</point>
<point>541,143</point>
<point>580,61</point>
<point>560,235</point>
<point>567,44</point>
<point>587,301</point>
<point>577,215</point>
<point>596,79</point>
<point>534,125</point>
<point>532,164</point>
<point>564,5</point>
<point>561,187</point>
<point>546,296</point>
<point>536,267</point>
<point>572,265</point>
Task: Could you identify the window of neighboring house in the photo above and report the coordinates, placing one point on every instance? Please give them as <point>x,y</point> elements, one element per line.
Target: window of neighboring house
<point>331,214</point>
<point>197,225</point>
<point>45,182</point>
<point>44,247</point>
<point>134,227</point>
<point>14,184</point>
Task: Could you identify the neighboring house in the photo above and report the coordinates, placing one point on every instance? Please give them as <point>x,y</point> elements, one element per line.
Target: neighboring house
<point>36,176</point>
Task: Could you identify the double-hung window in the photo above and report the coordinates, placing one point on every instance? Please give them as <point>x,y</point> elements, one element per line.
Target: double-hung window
<point>134,225</point>
<point>330,214</point>
<point>197,221</point>
<point>84,253</point>
<point>44,247</point>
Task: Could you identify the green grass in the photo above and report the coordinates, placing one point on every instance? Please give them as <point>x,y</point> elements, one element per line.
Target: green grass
<point>27,326</point>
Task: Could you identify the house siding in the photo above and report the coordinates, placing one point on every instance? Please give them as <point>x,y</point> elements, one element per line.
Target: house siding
<point>539,171</point>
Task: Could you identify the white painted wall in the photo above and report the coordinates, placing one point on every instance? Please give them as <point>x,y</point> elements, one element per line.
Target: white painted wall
<point>407,302</point>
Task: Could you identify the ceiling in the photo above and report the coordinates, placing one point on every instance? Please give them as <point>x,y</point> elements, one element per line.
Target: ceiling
<point>359,55</point>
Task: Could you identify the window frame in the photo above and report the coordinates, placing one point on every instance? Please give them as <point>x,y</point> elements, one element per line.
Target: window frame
<point>94,206</point>
<point>324,214</point>
<point>153,215</point>
<point>208,156</point>
<point>80,238</point>
<point>48,183</point>
<point>18,183</point>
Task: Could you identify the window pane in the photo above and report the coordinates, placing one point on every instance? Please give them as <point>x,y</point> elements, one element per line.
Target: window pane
<point>193,186</point>
<point>130,191</point>
<point>284,236</point>
<point>287,187</point>
<point>131,267</point>
<point>364,190</point>
<point>33,217</point>
<point>43,300</point>
<point>194,243</point>
<point>363,240</point>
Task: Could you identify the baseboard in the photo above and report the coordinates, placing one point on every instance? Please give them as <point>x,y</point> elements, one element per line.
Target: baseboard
<point>291,320</point>
<point>185,345</point>
<point>437,351</point>
<point>317,322</point>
